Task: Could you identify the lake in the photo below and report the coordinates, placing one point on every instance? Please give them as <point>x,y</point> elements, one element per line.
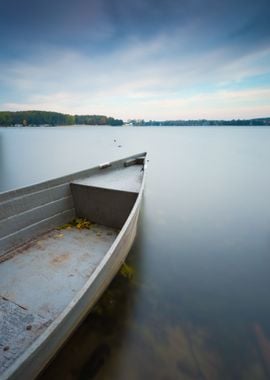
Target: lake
<point>194,303</point>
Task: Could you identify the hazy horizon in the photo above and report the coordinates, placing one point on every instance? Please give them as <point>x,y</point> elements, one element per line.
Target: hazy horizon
<point>145,120</point>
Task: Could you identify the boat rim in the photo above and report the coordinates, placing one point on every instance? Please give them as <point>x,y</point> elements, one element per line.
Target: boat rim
<point>59,180</point>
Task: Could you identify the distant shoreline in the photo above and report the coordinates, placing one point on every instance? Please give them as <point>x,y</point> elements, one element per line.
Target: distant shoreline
<point>50,119</point>
<point>202,122</point>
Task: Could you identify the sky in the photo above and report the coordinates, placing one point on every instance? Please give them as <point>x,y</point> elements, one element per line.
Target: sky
<point>136,59</point>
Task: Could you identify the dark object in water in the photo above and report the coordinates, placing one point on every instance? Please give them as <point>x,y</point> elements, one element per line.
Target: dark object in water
<point>264,347</point>
<point>95,362</point>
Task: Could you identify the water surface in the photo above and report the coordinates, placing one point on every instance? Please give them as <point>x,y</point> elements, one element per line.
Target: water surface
<point>195,302</point>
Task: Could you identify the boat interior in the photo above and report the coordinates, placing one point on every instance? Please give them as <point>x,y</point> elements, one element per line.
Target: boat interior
<point>45,258</point>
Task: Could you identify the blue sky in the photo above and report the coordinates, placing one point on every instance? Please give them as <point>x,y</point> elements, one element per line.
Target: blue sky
<point>151,59</point>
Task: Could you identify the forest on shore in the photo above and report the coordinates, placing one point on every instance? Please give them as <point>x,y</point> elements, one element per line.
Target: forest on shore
<point>47,118</point>
<point>264,121</point>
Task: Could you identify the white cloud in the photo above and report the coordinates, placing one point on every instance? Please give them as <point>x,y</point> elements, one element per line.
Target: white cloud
<point>144,80</point>
<point>217,105</point>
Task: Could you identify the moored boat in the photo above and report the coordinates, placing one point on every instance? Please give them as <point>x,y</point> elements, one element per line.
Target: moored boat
<point>61,243</point>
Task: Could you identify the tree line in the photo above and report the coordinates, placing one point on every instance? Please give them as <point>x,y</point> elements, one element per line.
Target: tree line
<point>47,118</point>
<point>203,122</point>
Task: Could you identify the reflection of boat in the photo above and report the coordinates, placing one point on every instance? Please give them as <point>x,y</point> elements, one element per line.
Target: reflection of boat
<point>264,347</point>
<point>50,277</point>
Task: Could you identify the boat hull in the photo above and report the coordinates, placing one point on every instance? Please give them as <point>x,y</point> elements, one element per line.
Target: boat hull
<point>38,355</point>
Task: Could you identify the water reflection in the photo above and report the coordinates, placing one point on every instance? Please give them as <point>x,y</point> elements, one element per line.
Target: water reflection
<point>5,174</point>
<point>2,166</point>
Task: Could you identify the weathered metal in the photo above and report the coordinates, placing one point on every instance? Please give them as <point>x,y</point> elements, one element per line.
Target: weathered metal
<point>50,280</point>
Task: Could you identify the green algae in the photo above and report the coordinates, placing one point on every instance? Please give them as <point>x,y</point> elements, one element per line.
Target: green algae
<point>80,223</point>
<point>127,271</point>
<point>109,302</point>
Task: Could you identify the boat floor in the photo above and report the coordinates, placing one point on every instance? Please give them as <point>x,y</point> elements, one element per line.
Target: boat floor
<point>40,279</point>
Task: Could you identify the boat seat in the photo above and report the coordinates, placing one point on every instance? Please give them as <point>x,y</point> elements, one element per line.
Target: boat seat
<point>104,206</point>
<point>108,196</point>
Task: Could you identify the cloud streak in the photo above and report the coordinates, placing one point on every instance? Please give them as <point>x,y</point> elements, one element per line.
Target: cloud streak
<point>126,58</point>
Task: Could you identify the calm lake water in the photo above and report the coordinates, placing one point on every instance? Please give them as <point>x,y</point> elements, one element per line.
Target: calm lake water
<point>195,302</point>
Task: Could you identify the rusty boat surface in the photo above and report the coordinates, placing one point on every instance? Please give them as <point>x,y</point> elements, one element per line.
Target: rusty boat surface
<point>53,271</point>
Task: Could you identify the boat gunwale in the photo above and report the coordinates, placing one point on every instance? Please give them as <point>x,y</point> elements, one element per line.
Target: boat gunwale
<point>5,196</point>
<point>60,319</point>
